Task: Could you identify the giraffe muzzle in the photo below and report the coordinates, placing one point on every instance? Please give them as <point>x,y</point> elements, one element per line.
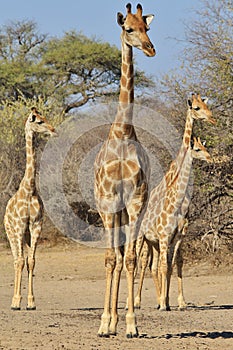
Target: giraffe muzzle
<point>149,49</point>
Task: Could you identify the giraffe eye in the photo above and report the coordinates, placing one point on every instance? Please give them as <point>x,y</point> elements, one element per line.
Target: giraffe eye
<point>129,30</point>
<point>40,122</point>
<point>196,108</point>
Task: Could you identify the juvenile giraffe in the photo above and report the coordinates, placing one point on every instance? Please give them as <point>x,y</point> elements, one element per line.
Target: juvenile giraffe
<point>23,216</point>
<point>148,254</point>
<point>120,178</point>
<point>164,221</point>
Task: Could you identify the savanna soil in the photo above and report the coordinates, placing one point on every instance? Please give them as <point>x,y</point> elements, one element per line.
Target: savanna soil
<point>69,290</point>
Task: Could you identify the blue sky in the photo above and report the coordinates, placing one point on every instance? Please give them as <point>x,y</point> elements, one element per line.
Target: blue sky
<point>99,18</point>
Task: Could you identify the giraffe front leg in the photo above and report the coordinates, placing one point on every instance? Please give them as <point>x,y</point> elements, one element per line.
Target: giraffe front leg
<point>130,262</point>
<point>169,274</point>
<point>31,300</point>
<point>35,230</point>
<point>163,267</point>
<point>17,252</point>
<point>179,262</point>
<point>115,291</point>
<point>110,262</point>
<point>18,266</point>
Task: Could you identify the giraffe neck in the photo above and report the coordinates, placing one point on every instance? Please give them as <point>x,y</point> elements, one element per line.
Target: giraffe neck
<point>127,74</point>
<point>183,161</point>
<point>122,126</point>
<point>185,146</point>
<point>28,181</point>
<point>188,129</point>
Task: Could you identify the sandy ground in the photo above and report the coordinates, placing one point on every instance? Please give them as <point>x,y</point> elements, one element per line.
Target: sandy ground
<point>69,291</point>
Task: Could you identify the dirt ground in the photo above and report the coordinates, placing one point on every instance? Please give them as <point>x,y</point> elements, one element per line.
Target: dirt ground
<point>69,291</point>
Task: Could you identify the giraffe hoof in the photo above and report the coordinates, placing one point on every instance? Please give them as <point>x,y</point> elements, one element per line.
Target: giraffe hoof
<point>158,307</point>
<point>168,308</point>
<point>112,333</point>
<point>103,335</point>
<point>15,308</point>
<point>132,335</point>
<point>162,309</point>
<point>31,308</point>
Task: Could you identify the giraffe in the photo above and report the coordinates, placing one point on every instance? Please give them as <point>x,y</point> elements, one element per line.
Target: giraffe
<point>148,254</point>
<point>23,215</point>
<point>164,222</point>
<point>120,178</point>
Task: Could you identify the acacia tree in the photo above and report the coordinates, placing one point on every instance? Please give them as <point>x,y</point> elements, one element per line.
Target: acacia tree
<point>67,71</point>
<point>80,69</point>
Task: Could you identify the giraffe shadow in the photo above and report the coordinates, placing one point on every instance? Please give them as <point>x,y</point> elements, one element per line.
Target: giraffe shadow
<point>194,334</point>
<point>87,309</point>
<point>210,307</point>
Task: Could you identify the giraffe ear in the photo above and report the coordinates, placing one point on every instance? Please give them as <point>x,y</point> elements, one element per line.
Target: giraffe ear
<point>120,19</point>
<point>205,100</point>
<point>148,19</point>
<point>189,103</point>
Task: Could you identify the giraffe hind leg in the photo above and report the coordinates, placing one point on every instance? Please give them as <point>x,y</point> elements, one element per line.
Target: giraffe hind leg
<point>144,262</point>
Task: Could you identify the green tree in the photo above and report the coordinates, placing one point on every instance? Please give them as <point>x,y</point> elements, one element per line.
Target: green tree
<point>67,71</point>
<point>19,55</point>
<point>80,69</point>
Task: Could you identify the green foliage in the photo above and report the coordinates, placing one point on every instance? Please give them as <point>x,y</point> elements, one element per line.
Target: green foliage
<point>81,68</point>
<point>66,72</point>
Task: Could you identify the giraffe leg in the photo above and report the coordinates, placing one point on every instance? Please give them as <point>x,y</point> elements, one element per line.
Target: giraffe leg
<point>155,274</point>
<point>130,262</point>
<point>115,291</point>
<point>18,266</point>
<point>110,262</point>
<point>35,230</point>
<point>183,228</point>
<point>163,266</point>
<point>169,274</point>
<point>17,252</point>
<point>179,261</point>
<point>144,262</point>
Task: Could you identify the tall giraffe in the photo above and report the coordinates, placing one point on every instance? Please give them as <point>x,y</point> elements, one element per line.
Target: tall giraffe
<point>164,221</point>
<point>120,178</point>
<point>23,216</point>
<point>198,151</point>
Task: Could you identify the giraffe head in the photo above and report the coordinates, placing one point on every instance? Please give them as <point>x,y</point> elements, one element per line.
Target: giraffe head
<point>37,123</point>
<point>199,109</point>
<point>134,29</point>
<point>199,151</point>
